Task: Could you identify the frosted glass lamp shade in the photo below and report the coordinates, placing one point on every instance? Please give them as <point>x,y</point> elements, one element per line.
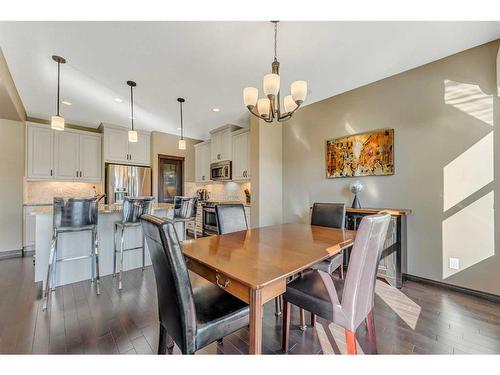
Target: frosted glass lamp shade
<point>289,103</point>
<point>250,96</point>
<point>132,136</point>
<point>263,106</point>
<point>57,123</point>
<point>182,144</point>
<point>299,90</point>
<point>271,84</point>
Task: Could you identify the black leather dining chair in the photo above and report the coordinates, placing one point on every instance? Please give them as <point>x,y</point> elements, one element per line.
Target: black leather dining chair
<point>192,315</point>
<point>316,291</point>
<point>330,215</point>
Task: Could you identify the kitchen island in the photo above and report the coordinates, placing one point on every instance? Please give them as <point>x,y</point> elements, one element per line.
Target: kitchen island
<point>79,244</point>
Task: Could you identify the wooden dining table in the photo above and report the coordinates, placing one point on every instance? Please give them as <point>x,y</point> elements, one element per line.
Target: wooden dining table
<point>254,265</point>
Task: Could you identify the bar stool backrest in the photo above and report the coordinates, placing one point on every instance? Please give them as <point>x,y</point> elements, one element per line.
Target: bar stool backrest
<point>75,212</point>
<point>134,208</point>
<point>185,207</point>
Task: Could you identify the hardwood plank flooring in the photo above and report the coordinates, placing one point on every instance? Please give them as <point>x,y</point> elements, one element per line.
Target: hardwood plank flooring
<point>418,319</point>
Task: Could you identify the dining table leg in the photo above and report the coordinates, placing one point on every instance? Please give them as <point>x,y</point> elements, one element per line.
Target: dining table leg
<point>256,309</point>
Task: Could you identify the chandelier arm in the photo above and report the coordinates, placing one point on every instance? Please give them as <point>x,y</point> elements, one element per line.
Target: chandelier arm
<point>259,116</point>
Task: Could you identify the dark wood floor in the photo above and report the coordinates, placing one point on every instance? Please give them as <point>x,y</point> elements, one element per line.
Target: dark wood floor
<point>416,319</point>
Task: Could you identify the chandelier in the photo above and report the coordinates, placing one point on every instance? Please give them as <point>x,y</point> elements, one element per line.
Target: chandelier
<point>269,108</point>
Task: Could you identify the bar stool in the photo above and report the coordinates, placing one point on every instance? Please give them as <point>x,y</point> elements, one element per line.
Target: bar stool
<point>73,215</point>
<point>133,209</point>
<point>184,212</point>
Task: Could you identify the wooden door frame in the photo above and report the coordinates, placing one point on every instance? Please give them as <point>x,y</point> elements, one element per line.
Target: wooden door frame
<point>182,159</point>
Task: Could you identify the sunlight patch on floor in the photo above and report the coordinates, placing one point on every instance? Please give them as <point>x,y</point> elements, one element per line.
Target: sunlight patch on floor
<point>404,307</point>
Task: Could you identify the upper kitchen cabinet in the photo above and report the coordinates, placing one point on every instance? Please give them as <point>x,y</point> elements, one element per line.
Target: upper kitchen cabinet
<point>241,155</point>
<point>222,143</point>
<point>117,148</point>
<point>69,155</point>
<point>202,161</point>
<point>39,152</point>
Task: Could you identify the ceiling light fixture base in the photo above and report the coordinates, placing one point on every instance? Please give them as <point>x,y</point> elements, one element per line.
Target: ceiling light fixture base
<point>59,59</point>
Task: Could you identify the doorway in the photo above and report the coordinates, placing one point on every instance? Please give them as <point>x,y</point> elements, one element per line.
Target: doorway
<point>170,178</point>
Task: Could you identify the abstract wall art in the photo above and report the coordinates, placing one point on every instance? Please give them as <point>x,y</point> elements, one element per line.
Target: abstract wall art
<point>364,154</point>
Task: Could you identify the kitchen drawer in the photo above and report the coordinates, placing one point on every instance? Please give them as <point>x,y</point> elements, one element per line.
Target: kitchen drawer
<point>234,287</point>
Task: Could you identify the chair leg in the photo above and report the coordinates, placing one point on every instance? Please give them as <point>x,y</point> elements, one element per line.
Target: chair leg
<point>286,326</point>
<point>194,230</point>
<point>342,272</point>
<point>143,253</point>
<point>350,338</point>
<point>313,320</point>
<point>372,339</point>
<point>96,256</point>
<point>49,273</point>
<point>53,268</point>
<point>277,306</point>
<point>114,250</point>
<point>120,275</point>
<point>303,325</point>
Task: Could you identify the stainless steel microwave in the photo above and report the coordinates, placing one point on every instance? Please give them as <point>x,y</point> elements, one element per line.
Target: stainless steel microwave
<point>221,171</point>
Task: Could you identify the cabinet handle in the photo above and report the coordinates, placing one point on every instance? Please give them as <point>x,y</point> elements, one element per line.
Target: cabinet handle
<point>76,173</point>
<point>203,177</point>
<point>80,173</point>
<point>218,156</point>
<point>51,172</point>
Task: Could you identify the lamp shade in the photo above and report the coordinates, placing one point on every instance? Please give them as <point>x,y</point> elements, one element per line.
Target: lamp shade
<point>250,96</point>
<point>299,90</point>
<point>182,144</point>
<point>289,103</point>
<point>132,136</point>
<point>57,123</point>
<point>263,106</point>
<point>271,84</point>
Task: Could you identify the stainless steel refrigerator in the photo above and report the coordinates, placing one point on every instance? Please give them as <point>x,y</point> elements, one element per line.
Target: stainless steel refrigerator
<point>126,180</point>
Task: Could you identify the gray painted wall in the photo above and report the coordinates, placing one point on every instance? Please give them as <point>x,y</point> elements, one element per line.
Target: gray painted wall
<point>429,134</point>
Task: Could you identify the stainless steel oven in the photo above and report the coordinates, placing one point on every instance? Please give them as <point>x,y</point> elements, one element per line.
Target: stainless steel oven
<point>221,171</point>
<point>209,220</point>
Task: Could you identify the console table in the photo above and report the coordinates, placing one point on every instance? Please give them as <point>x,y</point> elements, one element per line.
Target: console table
<point>392,265</point>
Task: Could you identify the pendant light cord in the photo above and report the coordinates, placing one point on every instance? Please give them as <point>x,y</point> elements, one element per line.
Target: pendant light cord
<point>58,84</point>
<point>132,105</point>
<point>182,125</point>
<point>275,40</point>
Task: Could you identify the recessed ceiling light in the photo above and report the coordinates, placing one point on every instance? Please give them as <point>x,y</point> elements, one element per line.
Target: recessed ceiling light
<point>118,100</point>
<point>216,109</point>
<point>65,102</point>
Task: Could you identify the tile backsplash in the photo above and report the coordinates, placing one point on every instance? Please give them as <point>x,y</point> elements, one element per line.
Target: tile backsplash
<point>36,192</point>
<point>224,191</point>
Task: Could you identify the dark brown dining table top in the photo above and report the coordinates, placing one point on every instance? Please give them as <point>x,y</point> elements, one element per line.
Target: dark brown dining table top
<point>257,257</point>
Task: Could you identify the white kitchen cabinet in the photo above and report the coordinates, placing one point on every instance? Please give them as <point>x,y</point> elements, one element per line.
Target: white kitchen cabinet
<point>40,152</point>
<point>241,155</point>
<point>69,155</point>
<point>202,161</point>
<point>90,157</point>
<point>117,148</point>
<point>66,155</point>
<point>222,143</point>
<point>29,229</point>
<point>139,151</point>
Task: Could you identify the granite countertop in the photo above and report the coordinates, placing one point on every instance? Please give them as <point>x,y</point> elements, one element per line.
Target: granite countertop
<point>224,202</point>
<point>103,208</point>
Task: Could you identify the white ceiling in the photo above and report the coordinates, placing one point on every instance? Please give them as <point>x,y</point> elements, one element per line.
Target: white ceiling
<point>209,63</point>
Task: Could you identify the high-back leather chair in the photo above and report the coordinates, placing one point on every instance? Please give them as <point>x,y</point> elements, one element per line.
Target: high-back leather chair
<point>315,290</point>
<point>133,209</point>
<point>230,218</point>
<point>71,215</point>
<point>191,315</point>
<point>185,211</point>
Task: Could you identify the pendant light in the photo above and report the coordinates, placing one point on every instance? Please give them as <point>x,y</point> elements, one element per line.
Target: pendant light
<point>57,121</point>
<point>182,141</point>
<point>132,134</point>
